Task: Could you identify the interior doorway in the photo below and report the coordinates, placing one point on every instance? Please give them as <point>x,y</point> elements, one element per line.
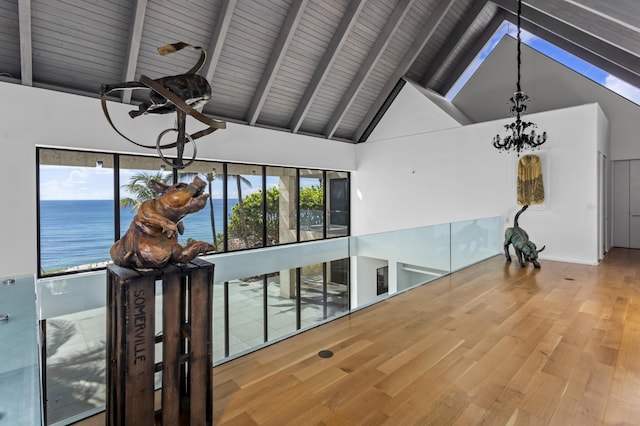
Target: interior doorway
<point>626,204</point>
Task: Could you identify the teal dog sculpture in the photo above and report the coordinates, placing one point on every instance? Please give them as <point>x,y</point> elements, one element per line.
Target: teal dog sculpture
<point>525,249</point>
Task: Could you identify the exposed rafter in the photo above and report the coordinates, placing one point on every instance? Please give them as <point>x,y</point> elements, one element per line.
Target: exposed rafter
<point>390,28</point>
<point>279,50</point>
<point>135,37</point>
<point>24,18</point>
<point>605,51</point>
<point>472,52</point>
<point>330,54</point>
<point>287,66</point>
<point>618,34</point>
<point>452,41</point>
<point>414,50</point>
<point>578,51</point>
<point>219,34</point>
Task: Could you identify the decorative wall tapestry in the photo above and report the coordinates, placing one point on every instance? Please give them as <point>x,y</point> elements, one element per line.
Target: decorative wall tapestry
<point>530,185</point>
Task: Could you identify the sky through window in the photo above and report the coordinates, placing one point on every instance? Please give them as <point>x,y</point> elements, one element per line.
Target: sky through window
<point>574,63</point>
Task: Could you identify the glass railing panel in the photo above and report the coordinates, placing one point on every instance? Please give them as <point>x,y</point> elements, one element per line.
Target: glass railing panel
<point>473,241</point>
<point>20,401</point>
<point>232,266</point>
<point>281,304</point>
<point>246,314</point>
<point>73,306</point>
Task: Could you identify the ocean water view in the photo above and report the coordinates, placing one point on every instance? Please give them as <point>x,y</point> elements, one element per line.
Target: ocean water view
<point>80,232</point>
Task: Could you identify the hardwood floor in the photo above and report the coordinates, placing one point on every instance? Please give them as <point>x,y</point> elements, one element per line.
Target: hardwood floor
<point>493,344</point>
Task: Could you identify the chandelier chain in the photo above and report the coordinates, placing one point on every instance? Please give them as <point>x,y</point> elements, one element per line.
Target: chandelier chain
<point>521,134</point>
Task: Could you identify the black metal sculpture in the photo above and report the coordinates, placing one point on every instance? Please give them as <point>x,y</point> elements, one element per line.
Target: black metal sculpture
<point>181,93</point>
<point>525,249</point>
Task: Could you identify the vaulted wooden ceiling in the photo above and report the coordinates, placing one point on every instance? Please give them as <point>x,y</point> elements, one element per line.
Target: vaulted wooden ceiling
<point>326,68</point>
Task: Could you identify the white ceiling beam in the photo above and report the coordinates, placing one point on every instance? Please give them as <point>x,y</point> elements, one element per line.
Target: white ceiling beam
<point>391,26</point>
<point>330,55</point>
<point>135,36</point>
<point>219,35</point>
<point>407,60</point>
<point>277,55</point>
<point>26,50</point>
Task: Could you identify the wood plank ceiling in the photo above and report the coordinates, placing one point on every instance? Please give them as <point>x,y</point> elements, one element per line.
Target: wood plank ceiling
<point>325,68</point>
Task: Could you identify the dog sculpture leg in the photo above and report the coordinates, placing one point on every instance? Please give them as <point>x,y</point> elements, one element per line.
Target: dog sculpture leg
<point>506,251</point>
<point>519,256</point>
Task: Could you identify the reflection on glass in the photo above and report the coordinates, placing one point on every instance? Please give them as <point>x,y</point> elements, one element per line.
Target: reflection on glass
<point>337,204</point>
<point>76,210</point>
<point>218,322</point>
<point>244,197</point>
<point>312,294</point>
<point>281,205</point>
<point>337,287</point>
<point>311,205</point>
<point>281,303</point>
<point>246,314</point>
<point>76,380</point>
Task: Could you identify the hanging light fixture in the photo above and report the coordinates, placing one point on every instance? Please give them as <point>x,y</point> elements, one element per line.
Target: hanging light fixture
<point>521,134</point>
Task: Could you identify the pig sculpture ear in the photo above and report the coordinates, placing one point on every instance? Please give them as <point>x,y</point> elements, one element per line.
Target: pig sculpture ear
<point>158,187</point>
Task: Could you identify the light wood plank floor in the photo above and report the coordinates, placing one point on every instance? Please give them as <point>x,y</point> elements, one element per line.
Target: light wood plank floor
<point>494,344</point>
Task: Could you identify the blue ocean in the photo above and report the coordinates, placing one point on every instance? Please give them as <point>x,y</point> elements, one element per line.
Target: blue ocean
<point>80,232</point>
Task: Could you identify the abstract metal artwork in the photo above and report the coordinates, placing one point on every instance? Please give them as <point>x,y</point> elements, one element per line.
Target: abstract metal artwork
<point>182,93</point>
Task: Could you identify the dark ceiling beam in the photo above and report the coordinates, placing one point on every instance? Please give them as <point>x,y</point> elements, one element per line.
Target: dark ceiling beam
<point>452,41</point>
<point>427,31</point>
<point>471,53</point>
<point>625,12</point>
<point>330,55</point>
<point>275,60</point>
<point>578,51</point>
<point>606,51</point>
<point>395,19</point>
<point>612,31</point>
<point>214,50</point>
<point>26,51</point>
<point>135,36</point>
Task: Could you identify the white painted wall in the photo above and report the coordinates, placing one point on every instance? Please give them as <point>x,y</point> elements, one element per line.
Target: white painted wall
<point>401,182</point>
<point>417,111</point>
<point>35,117</point>
<point>456,174</point>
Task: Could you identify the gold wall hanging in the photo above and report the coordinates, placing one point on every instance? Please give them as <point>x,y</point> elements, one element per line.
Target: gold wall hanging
<point>530,184</point>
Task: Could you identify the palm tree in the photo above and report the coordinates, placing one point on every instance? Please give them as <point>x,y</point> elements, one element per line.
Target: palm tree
<point>139,186</point>
<point>211,176</point>
<point>243,220</point>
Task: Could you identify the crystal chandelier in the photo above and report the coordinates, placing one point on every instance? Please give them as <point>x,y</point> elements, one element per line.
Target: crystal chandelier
<point>521,134</point>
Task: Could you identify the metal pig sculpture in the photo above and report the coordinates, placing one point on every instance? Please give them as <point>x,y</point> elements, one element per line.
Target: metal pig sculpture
<point>525,249</point>
<point>151,241</point>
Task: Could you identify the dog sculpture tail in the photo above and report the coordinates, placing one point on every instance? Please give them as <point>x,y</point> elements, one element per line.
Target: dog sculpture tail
<point>515,221</point>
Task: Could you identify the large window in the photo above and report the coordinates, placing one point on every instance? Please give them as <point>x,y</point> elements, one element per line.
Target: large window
<point>87,200</point>
<point>76,224</point>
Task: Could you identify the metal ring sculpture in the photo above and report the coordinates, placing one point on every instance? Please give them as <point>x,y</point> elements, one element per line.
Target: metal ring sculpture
<point>180,93</point>
<point>159,147</point>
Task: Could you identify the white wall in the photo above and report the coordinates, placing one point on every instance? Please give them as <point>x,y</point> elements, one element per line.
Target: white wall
<point>456,174</point>
<point>400,182</point>
<point>416,110</point>
<point>35,117</point>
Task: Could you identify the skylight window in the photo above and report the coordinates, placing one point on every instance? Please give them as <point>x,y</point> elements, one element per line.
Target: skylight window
<point>576,64</point>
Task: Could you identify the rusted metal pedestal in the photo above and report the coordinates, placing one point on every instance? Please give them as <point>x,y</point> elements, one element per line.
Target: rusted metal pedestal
<point>186,338</point>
